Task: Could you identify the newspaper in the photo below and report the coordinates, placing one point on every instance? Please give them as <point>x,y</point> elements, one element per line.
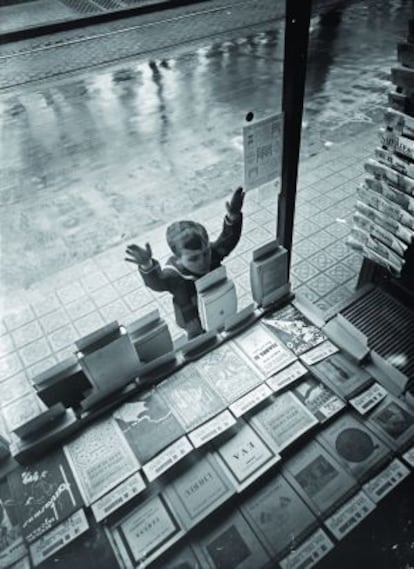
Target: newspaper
<point>400,123</point>
<point>393,194</point>
<point>400,144</point>
<point>389,224</point>
<point>401,165</point>
<point>385,206</point>
<point>389,175</point>
<point>364,223</point>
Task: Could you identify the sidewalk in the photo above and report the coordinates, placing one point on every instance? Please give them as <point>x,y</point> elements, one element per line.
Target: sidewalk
<point>41,324</point>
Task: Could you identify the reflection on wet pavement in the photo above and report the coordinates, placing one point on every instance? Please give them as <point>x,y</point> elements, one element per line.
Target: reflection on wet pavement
<point>88,163</point>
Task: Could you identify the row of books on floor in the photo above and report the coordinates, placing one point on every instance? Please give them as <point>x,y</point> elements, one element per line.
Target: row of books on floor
<point>330,484</point>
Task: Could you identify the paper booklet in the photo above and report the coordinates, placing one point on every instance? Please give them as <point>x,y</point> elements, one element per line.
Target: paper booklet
<point>230,375</point>
<point>398,163</point>
<point>381,220</point>
<point>244,456</point>
<point>145,533</point>
<point>400,144</point>
<point>280,518</point>
<point>190,397</point>
<point>268,271</point>
<point>400,123</point>
<point>294,329</point>
<point>390,176</point>
<point>12,547</point>
<point>376,230</point>
<point>393,421</point>
<point>46,494</point>
<point>341,375</point>
<point>216,299</point>
<point>348,516</point>
<point>393,194</point>
<point>230,543</point>
<point>148,424</point>
<point>309,553</point>
<point>261,347</point>
<point>385,206</point>
<point>101,459</point>
<point>283,421</point>
<point>354,446</point>
<point>196,488</point>
<point>369,398</point>
<point>318,398</point>
<point>180,556</point>
<point>319,479</point>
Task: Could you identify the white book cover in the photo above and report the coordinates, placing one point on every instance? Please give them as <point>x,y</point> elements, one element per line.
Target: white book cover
<point>190,397</point>
<point>101,459</point>
<point>279,516</point>
<point>198,488</point>
<point>265,351</point>
<point>309,553</point>
<point>244,456</point>
<point>145,533</point>
<point>228,373</point>
<point>283,421</point>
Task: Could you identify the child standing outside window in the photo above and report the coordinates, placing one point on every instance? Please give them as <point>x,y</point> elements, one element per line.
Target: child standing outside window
<point>193,256</point>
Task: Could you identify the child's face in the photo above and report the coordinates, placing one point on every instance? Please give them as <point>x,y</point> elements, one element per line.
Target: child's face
<point>197,260</point>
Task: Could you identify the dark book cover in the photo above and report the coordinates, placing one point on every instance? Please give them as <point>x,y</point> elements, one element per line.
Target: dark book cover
<point>12,547</point>
<point>45,493</point>
<point>318,398</point>
<point>343,376</point>
<point>148,424</point>
<point>294,329</point>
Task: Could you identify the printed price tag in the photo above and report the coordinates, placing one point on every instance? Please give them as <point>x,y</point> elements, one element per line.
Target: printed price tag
<point>386,480</point>
<point>309,553</point>
<point>287,376</point>
<point>409,456</point>
<point>167,458</point>
<point>58,537</point>
<point>247,402</point>
<point>118,497</point>
<point>350,515</point>
<point>319,353</point>
<point>368,399</point>
<point>212,428</point>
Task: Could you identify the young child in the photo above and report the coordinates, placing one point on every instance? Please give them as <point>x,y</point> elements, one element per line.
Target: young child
<point>193,256</point>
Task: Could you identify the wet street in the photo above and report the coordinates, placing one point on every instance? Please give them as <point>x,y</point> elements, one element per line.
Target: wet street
<point>92,158</point>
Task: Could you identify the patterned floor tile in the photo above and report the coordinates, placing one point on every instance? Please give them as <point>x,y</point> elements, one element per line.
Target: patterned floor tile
<point>14,388</point>
<point>80,308</point>
<point>323,239</point>
<point>304,271</point>
<point>41,366</point>
<point>306,247</point>
<point>19,317</point>
<point>117,270</point>
<point>6,345</point>
<point>47,304</point>
<point>308,228</point>
<point>321,284</point>
<point>339,230</point>
<point>138,299</point>
<point>70,292</point>
<point>235,266</point>
<point>3,328</point>
<point>340,273</point>
<point>27,333</point>
<point>340,294</point>
<point>89,323</point>
<point>34,352</point>
<point>354,260</point>
<point>54,320</point>
<point>115,311</point>
<point>128,283</point>
<point>94,281</point>
<point>338,250</point>
<point>63,337</point>
<point>104,295</point>
<point>307,293</point>
<point>10,365</point>
<point>322,260</point>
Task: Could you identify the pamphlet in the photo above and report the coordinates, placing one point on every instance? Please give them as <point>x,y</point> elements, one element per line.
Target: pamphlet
<point>341,375</point>
<point>318,398</point>
<point>12,547</point>
<point>350,515</point>
<point>382,484</point>
<point>309,553</point>
<point>393,421</point>
<point>368,399</point>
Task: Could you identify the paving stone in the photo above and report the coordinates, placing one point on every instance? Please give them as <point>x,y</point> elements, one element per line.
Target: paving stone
<point>19,317</point>
<point>34,352</point>
<point>304,271</point>
<point>322,260</point>
<point>63,337</point>
<point>88,324</point>
<point>115,311</point>
<point>54,320</point>
<point>322,284</point>
<point>71,292</point>
<point>9,365</point>
<point>80,307</point>
<point>104,295</point>
<point>94,281</point>
<point>27,333</point>
<point>41,366</point>
<point>45,304</point>
<point>6,344</point>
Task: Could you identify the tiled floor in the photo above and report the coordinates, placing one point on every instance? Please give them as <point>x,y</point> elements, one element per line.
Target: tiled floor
<point>41,325</point>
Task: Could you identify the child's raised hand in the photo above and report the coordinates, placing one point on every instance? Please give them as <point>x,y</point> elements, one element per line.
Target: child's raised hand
<point>139,255</point>
<point>234,206</point>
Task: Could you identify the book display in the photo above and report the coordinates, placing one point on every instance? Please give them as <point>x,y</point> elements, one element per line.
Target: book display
<point>216,299</point>
<point>269,278</point>
<point>283,421</point>
<point>354,446</point>
<point>278,516</point>
<point>233,460</point>
<point>268,354</point>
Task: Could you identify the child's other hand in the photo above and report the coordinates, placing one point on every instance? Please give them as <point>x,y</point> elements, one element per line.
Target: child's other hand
<point>139,255</point>
<point>235,205</point>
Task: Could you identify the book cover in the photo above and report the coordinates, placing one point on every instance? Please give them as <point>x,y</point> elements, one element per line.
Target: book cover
<point>280,518</point>
<point>318,398</point>
<point>348,516</point>
<point>145,533</point>
<point>386,480</point>
<point>244,456</point>
<point>148,424</point>
<point>199,487</point>
<point>393,421</point>
<point>369,398</point>
<point>309,553</point>
<point>231,544</point>
<point>55,539</point>
<point>117,497</point>
<point>216,304</point>
<point>101,459</point>
<point>12,547</point>
<point>344,377</point>
<point>354,446</point>
<point>319,353</point>
<point>228,373</point>
<point>190,397</point>
<point>283,421</point>
<point>264,350</point>
<point>45,493</point>
<point>287,376</point>
<point>294,329</point>
<point>319,479</point>
<point>90,550</point>
<point>180,557</point>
